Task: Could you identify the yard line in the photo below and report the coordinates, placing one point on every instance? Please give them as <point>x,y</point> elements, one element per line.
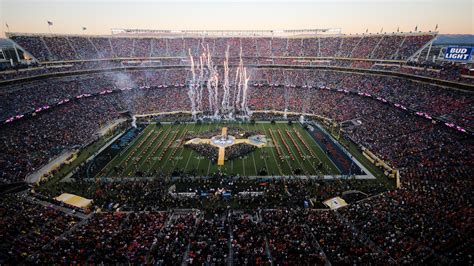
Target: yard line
<point>253,155</point>
<point>209,165</point>
<point>136,149</point>
<point>321,150</point>
<point>199,156</point>
<point>125,152</point>
<point>154,164</point>
<point>293,143</point>
<point>183,133</point>
<point>148,153</point>
<point>298,135</point>
<point>292,151</point>
<point>304,150</point>
<point>178,134</point>
<point>274,158</point>
<point>303,155</point>
<point>167,147</point>
<point>208,168</point>
<point>286,159</point>
<point>190,154</point>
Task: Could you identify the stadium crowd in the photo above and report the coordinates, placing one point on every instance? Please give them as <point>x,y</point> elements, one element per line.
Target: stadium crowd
<point>434,100</point>
<point>392,133</point>
<point>398,227</point>
<point>425,221</point>
<point>26,226</point>
<point>113,49</point>
<point>428,220</point>
<point>64,47</point>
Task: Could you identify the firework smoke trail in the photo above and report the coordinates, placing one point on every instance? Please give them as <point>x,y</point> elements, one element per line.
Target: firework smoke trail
<point>208,74</point>
<point>192,87</point>
<point>202,74</point>
<point>209,79</point>
<point>234,96</point>
<point>200,80</point>
<point>225,86</point>
<point>245,87</point>
<point>212,84</point>
<point>216,93</point>
<point>238,86</point>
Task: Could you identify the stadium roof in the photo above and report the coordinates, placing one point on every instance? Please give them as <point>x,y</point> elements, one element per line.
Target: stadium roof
<point>220,33</point>
<point>5,43</point>
<point>461,39</point>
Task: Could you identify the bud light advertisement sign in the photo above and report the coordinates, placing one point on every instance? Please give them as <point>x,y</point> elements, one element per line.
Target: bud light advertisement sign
<point>458,53</point>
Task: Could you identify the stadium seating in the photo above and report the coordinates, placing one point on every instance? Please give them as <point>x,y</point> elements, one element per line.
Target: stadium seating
<point>404,122</point>
<point>451,105</point>
<point>77,47</point>
<point>255,50</point>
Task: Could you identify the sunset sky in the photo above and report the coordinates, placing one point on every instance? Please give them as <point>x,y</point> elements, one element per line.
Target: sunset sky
<point>352,16</point>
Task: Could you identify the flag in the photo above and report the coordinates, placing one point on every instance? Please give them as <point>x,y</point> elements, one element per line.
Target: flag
<point>367,30</point>
<point>84,28</point>
<point>436,28</point>
<point>381,30</point>
<point>398,29</point>
<point>50,23</point>
<point>416,28</point>
<point>8,27</point>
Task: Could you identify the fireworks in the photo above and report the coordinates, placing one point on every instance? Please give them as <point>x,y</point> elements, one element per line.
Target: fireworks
<point>227,101</point>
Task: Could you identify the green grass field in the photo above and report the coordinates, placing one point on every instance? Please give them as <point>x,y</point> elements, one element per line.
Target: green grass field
<point>160,149</point>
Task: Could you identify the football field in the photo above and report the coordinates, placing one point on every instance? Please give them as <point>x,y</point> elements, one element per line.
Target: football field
<point>160,149</point>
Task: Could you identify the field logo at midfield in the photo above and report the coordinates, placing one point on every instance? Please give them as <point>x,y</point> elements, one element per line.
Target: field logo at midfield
<point>458,53</point>
<point>224,141</point>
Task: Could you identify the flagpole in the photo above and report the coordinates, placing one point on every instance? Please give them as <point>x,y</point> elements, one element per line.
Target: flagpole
<point>49,26</point>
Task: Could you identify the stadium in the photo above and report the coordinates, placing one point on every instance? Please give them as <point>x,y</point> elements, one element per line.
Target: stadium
<point>236,147</point>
